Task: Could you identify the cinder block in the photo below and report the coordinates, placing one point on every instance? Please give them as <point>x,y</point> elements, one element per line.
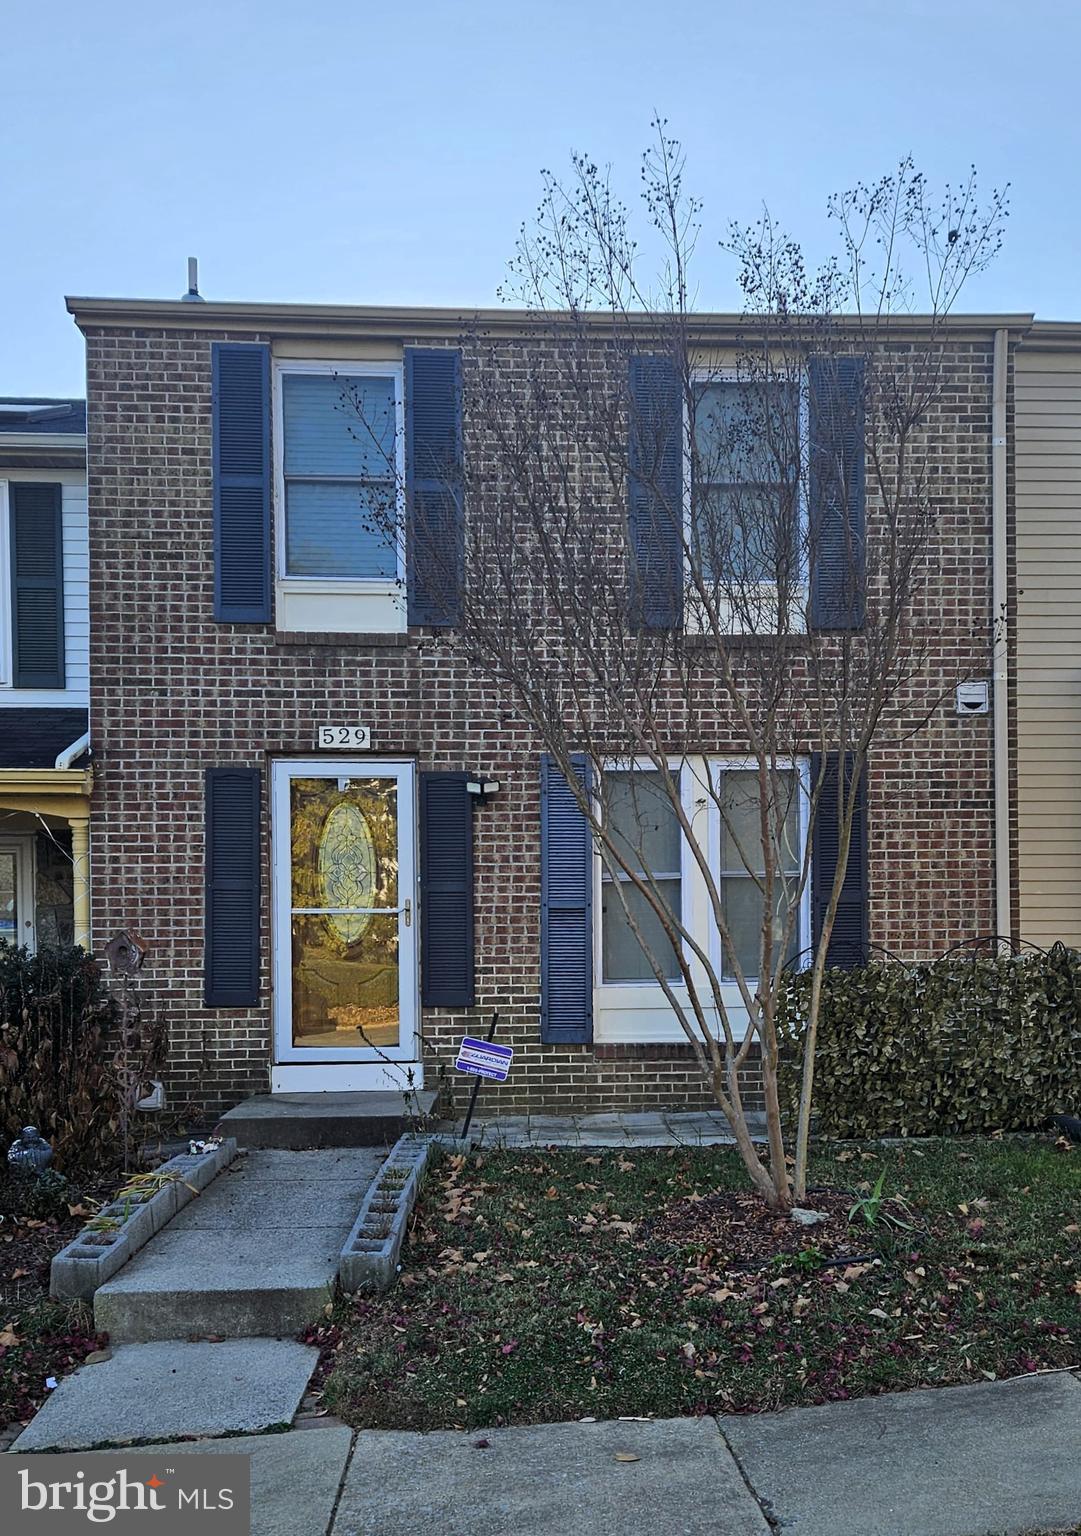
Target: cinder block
<point>369,1257</point>
<point>78,1270</point>
<point>136,1220</point>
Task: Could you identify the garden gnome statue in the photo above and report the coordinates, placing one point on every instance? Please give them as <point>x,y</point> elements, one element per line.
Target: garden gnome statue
<point>29,1154</point>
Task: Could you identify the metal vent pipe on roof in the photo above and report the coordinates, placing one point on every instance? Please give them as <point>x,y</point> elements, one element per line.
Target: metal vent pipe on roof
<point>193,296</point>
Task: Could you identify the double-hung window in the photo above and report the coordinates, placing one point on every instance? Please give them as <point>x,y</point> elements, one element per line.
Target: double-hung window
<point>745,514</point>
<point>743,864</point>
<point>646,832</point>
<point>340,472</point>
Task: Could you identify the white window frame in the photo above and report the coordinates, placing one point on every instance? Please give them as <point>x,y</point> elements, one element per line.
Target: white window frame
<point>768,589</point>
<point>7,647</point>
<point>636,765</point>
<point>373,586</point>
<point>638,1012</point>
<point>802,767</point>
<point>23,846</point>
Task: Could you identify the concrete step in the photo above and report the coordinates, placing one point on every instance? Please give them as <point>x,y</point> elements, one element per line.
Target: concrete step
<point>255,1255</point>
<point>299,1120</point>
<point>156,1391</point>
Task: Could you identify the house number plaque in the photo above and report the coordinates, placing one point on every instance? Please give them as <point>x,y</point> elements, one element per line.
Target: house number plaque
<point>356,737</point>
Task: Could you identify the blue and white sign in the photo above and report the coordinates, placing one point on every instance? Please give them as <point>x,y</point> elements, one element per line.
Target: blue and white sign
<point>483,1058</point>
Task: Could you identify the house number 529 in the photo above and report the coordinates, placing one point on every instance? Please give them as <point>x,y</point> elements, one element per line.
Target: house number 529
<point>358,737</point>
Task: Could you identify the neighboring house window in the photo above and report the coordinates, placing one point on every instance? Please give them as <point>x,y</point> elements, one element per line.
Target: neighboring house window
<point>31,585</point>
<point>647,833</point>
<point>744,497</point>
<point>5,589</point>
<point>17,891</point>
<point>340,472</point>
<point>742,858</point>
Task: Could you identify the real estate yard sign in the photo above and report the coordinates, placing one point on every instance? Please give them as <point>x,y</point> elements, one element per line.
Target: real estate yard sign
<point>482,1058</point>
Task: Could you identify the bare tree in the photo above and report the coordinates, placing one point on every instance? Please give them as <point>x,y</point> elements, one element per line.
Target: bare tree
<point>695,556</point>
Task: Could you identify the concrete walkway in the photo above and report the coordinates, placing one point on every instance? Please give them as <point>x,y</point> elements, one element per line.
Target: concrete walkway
<point>699,1128</point>
<point>999,1459</point>
<point>255,1255</point>
<point>202,1321</point>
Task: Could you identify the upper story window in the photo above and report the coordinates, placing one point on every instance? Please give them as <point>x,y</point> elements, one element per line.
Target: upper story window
<point>340,471</point>
<point>744,482</point>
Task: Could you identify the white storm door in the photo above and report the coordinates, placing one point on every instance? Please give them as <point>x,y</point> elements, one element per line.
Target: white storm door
<point>345,954</point>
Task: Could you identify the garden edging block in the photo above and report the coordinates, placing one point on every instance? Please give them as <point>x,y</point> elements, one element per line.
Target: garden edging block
<point>369,1256</point>
<point>85,1264</point>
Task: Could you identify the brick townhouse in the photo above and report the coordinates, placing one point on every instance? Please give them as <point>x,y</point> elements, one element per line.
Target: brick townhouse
<point>273,733</point>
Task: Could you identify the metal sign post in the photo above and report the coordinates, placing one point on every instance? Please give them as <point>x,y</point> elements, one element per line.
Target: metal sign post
<point>481,1059</point>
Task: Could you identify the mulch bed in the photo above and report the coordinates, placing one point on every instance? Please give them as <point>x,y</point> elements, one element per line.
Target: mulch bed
<point>735,1230</point>
<point>40,1340</point>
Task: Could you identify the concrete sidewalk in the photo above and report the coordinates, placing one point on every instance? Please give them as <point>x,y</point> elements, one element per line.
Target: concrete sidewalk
<point>999,1459</point>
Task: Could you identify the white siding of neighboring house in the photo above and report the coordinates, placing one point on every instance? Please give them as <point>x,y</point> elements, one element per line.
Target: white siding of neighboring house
<point>76,594</point>
<point>1048,491</point>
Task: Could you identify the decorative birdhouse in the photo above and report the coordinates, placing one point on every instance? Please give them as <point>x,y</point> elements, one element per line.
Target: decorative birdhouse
<point>125,953</point>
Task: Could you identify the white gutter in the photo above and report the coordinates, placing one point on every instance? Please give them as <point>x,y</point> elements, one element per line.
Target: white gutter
<point>69,754</point>
<point>1000,639</point>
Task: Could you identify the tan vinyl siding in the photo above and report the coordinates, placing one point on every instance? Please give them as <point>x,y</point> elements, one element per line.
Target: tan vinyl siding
<point>1048,501</point>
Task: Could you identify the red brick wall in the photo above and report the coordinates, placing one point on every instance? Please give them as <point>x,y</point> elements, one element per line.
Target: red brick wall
<point>173,693</point>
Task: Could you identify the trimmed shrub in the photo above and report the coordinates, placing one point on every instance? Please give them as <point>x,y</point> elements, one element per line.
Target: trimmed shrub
<point>57,1068</point>
<point>954,1045</point>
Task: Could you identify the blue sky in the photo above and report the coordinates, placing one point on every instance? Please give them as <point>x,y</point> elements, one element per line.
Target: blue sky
<point>343,151</point>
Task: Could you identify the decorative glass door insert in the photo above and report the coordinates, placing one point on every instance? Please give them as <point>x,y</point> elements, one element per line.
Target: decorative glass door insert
<point>344,911</point>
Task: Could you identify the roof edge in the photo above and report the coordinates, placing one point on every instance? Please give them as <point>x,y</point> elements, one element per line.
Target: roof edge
<point>399,320</point>
<point>1055,335</point>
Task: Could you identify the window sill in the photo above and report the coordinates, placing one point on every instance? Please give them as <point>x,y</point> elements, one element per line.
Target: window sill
<point>356,586</point>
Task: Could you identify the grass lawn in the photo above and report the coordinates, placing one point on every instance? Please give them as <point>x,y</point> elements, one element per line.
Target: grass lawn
<point>555,1285</point>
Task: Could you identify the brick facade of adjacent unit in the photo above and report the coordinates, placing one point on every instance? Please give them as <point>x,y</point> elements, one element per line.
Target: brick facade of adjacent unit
<point>174,693</point>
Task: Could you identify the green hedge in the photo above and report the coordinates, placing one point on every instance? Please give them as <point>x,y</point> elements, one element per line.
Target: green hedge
<point>954,1045</point>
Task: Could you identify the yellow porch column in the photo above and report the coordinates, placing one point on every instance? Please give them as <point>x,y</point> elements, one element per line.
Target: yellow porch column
<point>80,857</point>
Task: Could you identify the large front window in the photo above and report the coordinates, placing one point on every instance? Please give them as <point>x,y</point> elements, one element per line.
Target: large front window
<point>339,457</point>
<point>721,803</point>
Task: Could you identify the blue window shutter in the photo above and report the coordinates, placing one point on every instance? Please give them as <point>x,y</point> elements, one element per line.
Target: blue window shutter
<point>446,891</point>
<point>848,940</point>
<point>566,909</point>
<point>37,584</point>
<point>434,485</point>
<point>241,449</point>
<point>837,491</point>
<point>233,886</point>
<point>655,490</point>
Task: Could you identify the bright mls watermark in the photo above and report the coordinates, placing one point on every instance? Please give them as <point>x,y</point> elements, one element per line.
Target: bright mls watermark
<point>171,1493</point>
